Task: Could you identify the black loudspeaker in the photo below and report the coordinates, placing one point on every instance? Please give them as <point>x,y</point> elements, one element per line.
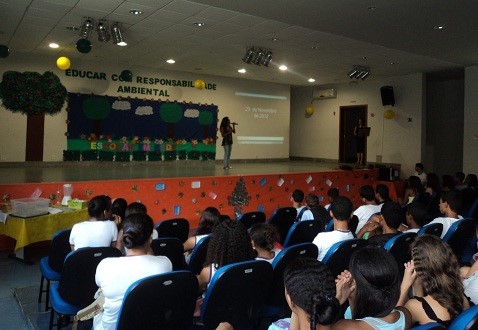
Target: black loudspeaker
<point>387,95</point>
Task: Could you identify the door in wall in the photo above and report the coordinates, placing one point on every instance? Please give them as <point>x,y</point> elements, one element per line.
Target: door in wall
<point>349,116</point>
<point>35,135</point>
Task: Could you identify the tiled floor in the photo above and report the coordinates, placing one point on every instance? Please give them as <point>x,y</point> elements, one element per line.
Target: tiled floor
<point>16,274</point>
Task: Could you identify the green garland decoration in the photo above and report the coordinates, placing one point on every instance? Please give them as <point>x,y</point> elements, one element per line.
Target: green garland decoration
<point>32,93</point>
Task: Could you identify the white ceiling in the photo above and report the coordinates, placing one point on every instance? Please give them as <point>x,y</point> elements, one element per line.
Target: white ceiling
<point>344,32</point>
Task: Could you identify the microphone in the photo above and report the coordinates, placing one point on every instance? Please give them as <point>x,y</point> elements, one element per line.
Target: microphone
<point>234,123</point>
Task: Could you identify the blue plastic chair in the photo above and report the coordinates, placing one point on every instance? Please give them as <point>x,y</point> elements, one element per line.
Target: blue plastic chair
<point>466,320</point>
<point>330,225</point>
<point>236,294</point>
<point>51,265</point>
<point>460,237</point>
<point>164,301</point>
<point>431,229</point>
<point>198,256</point>
<point>429,326</point>
<point>283,218</point>
<point>399,247</point>
<point>302,232</point>
<point>276,306</point>
<point>77,286</point>
<point>338,256</point>
<point>178,227</point>
<point>250,218</point>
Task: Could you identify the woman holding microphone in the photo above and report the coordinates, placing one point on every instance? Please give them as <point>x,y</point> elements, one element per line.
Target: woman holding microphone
<point>227,129</point>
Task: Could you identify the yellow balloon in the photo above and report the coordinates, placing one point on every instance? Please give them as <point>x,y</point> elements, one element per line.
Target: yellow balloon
<point>199,84</point>
<point>389,114</point>
<point>309,110</point>
<point>63,63</point>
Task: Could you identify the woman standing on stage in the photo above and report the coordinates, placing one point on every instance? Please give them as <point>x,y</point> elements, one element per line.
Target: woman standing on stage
<point>360,142</point>
<point>227,129</point>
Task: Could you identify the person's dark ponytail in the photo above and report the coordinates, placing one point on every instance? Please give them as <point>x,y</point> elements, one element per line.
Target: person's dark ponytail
<point>325,309</point>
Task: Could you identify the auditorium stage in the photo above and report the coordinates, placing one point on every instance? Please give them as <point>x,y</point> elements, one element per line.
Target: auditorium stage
<point>185,188</point>
<point>29,172</point>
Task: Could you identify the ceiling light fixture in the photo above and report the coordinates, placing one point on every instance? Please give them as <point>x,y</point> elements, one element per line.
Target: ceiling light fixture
<point>241,70</point>
<point>267,59</point>
<point>170,61</point>
<point>257,56</point>
<point>117,35</point>
<point>248,56</point>
<point>359,72</point>
<point>103,34</point>
<point>53,45</point>
<point>439,27</point>
<point>72,28</point>
<point>283,68</point>
<point>199,24</point>
<point>86,28</point>
<point>311,80</point>
<point>135,12</point>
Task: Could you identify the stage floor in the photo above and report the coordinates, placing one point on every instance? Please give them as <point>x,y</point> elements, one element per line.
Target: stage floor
<point>103,171</point>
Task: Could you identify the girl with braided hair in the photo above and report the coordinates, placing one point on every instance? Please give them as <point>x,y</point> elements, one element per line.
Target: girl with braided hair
<point>372,287</point>
<point>230,243</point>
<point>264,238</point>
<point>434,275</point>
<point>310,293</point>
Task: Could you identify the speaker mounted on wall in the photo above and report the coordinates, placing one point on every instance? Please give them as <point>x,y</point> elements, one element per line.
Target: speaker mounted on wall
<point>387,95</point>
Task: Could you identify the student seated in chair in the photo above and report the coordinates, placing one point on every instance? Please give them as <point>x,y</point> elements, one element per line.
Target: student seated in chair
<point>115,275</point>
<point>264,240</point>
<point>332,194</point>
<point>230,243</point>
<point>415,215</point>
<point>369,207</point>
<point>434,275</point>
<point>341,212</point>
<point>209,220</point>
<point>450,204</point>
<point>315,211</point>
<point>98,231</point>
<point>388,221</point>
<point>297,202</point>
<point>310,292</point>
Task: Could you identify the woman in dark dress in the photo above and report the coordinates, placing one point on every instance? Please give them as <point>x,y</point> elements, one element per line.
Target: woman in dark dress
<point>360,142</point>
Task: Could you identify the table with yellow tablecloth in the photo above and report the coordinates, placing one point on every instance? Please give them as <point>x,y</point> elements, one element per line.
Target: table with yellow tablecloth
<point>37,229</point>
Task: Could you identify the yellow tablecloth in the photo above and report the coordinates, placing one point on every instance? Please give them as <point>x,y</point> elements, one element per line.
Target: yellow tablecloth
<point>42,228</point>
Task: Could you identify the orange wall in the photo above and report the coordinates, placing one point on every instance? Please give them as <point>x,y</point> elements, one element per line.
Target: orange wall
<point>268,191</point>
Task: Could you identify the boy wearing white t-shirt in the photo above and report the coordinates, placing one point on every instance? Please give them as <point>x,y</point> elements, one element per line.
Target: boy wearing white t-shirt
<point>341,211</point>
<point>450,204</point>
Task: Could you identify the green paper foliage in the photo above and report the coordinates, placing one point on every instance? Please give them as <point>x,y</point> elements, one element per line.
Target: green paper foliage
<point>32,93</point>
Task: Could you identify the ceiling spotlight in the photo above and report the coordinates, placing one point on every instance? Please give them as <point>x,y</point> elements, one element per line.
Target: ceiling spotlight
<point>283,68</point>
<point>199,24</point>
<point>311,80</point>
<point>365,75</point>
<point>241,70</point>
<point>359,72</point>
<point>135,12</point>
<point>53,45</point>
<point>103,34</point>
<point>72,28</point>
<point>267,60</point>
<point>248,56</point>
<point>86,28</point>
<point>352,73</point>
<point>117,35</point>
<point>259,57</point>
<point>170,61</point>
